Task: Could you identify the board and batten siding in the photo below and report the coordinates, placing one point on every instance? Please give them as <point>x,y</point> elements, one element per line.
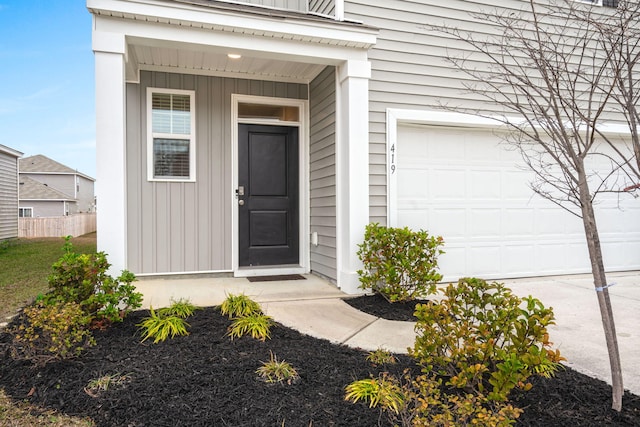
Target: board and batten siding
<point>322,171</point>
<point>8,196</point>
<point>409,70</point>
<point>296,5</point>
<point>186,226</point>
<point>323,7</point>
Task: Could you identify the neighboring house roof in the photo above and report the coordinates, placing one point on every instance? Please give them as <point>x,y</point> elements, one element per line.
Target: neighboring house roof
<point>10,151</point>
<point>43,164</point>
<point>30,189</point>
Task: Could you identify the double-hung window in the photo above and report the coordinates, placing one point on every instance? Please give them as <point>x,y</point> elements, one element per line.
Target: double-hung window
<point>25,212</point>
<point>171,135</point>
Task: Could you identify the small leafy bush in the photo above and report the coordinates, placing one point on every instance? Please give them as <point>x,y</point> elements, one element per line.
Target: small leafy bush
<point>239,306</point>
<point>399,264</point>
<point>52,332</point>
<point>83,279</point>
<point>258,326</point>
<point>278,371</point>
<point>475,346</point>
<point>484,339</point>
<point>161,327</point>
<point>381,357</point>
<point>181,308</point>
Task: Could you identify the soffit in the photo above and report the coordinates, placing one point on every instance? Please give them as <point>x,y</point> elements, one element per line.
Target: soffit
<point>213,23</point>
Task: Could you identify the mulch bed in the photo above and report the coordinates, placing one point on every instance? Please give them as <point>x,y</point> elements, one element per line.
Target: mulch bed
<point>205,379</point>
<point>378,306</point>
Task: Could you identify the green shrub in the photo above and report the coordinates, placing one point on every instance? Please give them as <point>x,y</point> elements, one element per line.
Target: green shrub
<point>160,327</point>
<point>484,339</point>
<point>400,264</point>
<point>278,371</point>
<point>83,279</point>
<point>475,346</point>
<point>258,326</point>
<point>50,332</point>
<point>239,306</point>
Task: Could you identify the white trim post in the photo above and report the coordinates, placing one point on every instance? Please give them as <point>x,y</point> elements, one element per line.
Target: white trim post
<point>352,168</point>
<point>109,50</point>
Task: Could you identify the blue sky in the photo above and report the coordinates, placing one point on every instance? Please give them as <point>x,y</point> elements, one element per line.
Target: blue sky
<point>47,81</point>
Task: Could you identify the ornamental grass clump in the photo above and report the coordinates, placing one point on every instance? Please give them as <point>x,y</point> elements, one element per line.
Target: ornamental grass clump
<point>277,371</point>
<point>239,306</point>
<point>399,264</point>
<point>167,322</point>
<point>475,346</point>
<point>257,326</point>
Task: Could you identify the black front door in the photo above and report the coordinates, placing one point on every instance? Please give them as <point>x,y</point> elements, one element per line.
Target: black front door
<point>268,195</point>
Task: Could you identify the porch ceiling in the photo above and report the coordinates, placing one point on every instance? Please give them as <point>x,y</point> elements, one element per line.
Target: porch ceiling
<point>188,60</point>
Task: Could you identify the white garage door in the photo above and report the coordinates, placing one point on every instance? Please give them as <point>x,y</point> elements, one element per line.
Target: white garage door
<point>466,186</point>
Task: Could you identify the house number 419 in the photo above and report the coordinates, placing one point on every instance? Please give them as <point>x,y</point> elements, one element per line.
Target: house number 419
<point>393,158</point>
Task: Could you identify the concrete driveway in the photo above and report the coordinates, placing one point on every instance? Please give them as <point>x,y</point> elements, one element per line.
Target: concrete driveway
<point>578,332</point>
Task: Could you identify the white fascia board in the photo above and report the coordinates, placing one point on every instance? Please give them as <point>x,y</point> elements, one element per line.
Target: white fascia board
<point>198,39</point>
<point>192,15</point>
<point>10,151</point>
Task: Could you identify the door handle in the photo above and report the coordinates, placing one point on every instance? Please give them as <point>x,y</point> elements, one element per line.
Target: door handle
<point>241,202</point>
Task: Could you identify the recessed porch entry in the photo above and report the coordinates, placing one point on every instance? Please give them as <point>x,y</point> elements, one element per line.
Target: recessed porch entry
<point>268,195</point>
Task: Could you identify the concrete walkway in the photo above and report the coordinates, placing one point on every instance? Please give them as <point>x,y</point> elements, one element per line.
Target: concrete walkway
<point>316,308</point>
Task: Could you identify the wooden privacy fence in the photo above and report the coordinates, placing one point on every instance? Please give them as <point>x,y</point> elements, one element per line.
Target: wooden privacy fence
<point>57,226</point>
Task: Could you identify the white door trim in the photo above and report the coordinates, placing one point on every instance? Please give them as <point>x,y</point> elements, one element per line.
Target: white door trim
<point>303,178</point>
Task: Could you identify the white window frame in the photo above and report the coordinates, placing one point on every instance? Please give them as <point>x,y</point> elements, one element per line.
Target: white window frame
<point>21,209</point>
<point>151,135</point>
<point>595,3</point>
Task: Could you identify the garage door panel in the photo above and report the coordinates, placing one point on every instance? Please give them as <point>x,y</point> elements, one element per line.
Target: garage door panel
<point>518,221</point>
<point>452,222</point>
<point>412,184</point>
<point>518,257</point>
<point>447,184</point>
<point>466,187</point>
<point>484,223</point>
<point>484,259</point>
<point>483,185</point>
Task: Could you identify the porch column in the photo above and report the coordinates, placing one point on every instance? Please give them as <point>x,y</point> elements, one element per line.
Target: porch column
<point>352,168</point>
<point>109,50</point>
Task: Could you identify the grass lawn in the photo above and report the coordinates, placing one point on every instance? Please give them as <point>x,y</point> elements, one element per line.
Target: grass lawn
<point>26,263</point>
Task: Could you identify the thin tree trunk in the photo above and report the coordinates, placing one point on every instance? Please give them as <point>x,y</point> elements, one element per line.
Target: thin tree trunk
<point>600,282</point>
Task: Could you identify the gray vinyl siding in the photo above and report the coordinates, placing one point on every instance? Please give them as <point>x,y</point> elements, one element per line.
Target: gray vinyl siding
<point>322,172</point>
<point>85,194</point>
<point>186,226</point>
<point>297,5</point>
<point>323,7</point>
<point>8,196</point>
<point>409,70</point>
<point>47,208</point>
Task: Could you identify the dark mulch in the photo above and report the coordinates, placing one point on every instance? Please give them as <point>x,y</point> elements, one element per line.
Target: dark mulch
<point>206,379</point>
<point>377,305</point>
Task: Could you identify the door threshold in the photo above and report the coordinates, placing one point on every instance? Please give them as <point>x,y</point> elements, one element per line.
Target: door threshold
<point>265,270</point>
